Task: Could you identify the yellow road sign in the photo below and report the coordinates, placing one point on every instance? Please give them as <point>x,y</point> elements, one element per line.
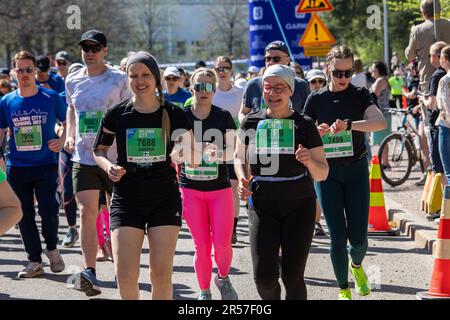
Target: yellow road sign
<point>316,33</point>
<point>308,6</point>
<point>317,51</point>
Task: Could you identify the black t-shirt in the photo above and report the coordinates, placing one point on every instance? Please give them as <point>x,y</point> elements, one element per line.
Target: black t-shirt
<point>324,106</point>
<point>213,177</point>
<point>140,145</point>
<point>432,90</point>
<point>281,165</point>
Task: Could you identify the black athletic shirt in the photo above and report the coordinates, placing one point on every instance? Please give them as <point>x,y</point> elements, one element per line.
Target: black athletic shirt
<point>432,90</point>
<point>217,119</point>
<point>123,116</point>
<point>324,106</point>
<point>306,134</point>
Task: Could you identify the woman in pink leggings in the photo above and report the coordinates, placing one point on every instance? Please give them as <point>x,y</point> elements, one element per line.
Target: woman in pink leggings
<point>206,190</point>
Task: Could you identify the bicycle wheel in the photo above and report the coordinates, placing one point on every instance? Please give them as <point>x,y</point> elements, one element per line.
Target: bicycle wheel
<point>399,157</point>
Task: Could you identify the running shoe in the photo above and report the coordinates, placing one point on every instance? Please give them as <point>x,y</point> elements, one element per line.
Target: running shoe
<point>205,295</point>
<point>422,181</point>
<point>71,237</point>
<point>362,286</point>
<point>345,294</point>
<point>102,254</point>
<point>226,288</point>
<point>234,238</point>
<point>433,216</point>
<point>32,270</point>
<point>318,230</point>
<point>56,262</point>
<point>87,283</point>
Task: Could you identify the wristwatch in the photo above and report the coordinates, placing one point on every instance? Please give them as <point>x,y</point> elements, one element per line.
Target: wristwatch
<point>349,124</point>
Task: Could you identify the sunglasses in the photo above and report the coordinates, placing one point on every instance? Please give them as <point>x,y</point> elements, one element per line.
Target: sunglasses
<point>342,73</point>
<point>277,89</point>
<point>93,48</point>
<point>172,79</point>
<point>204,87</point>
<point>320,81</point>
<point>28,70</point>
<point>222,69</point>
<point>275,59</point>
<point>61,63</point>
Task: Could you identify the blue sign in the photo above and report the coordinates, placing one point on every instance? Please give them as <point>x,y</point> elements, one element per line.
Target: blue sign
<point>272,20</point>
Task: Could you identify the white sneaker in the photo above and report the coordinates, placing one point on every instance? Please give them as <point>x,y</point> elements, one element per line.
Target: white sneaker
<point>33,269</point>
<point>56,262</point>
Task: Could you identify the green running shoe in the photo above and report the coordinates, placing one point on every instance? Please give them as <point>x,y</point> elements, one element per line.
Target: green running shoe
<point>362,286</point>
<point>345,294</point>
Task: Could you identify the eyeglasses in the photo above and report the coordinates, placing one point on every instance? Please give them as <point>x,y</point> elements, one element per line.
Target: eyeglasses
<point>342,73</point>
<point>275,59</point>
<point>320,81</point>
<point>204,87</point>
<point>222,69</point>
<point>61,63</point>
<point>94,48</point>
<point>171,78</point>
<point>28,70</point>
<point>277,89</point>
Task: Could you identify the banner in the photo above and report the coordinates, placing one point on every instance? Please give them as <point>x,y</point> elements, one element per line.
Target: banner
<point>265,19</point>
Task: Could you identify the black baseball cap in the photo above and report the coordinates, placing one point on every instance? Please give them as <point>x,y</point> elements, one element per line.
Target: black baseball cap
<point>43,63</point>
<point>94,36</point>
<point>277,45</point>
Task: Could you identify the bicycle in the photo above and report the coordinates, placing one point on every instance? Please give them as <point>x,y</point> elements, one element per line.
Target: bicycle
<point>402,151</point>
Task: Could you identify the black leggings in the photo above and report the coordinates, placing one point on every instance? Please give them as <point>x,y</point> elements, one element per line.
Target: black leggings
<point>288,224</point>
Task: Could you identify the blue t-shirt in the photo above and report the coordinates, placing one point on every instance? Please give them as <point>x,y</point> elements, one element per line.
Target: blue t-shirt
<point>55,82</point>
<point>32,123</point>
<point>178,98</point>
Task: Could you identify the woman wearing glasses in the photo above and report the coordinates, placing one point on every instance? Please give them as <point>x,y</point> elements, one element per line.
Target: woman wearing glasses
<point>206,190</point>
<point>146,195</point>
<point>229,97</point>
<point>343,114</point>
<point>279,152</point>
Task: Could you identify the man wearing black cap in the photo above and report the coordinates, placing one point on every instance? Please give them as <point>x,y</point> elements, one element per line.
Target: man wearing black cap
<point>276,52</point>
<point>62,63</point>
<point>91,91</point>
<point>46,79</point>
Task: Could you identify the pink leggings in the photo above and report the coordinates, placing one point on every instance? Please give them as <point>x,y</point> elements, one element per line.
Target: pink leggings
<point>103,222</point>
<point>210,217</point>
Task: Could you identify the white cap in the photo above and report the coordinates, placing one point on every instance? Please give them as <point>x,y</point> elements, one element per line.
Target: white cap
<point>253,69</point>
<point>315,73</point>
<point>171,71</point>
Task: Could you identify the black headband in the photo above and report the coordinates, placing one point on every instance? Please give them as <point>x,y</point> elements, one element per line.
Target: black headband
<point>147,59</point>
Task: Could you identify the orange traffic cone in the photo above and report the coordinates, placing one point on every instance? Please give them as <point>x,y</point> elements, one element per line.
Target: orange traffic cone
<point>440,280</point>
<point>378,222</point>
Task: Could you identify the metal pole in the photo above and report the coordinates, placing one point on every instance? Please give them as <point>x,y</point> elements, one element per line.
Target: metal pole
<point>435,20</point>
<point>386,34</point>
<point>282,30</point>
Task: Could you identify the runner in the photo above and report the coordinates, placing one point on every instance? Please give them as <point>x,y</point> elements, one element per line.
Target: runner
<point>347,185</point>
<point>317,80</point>
<point>206,191</point>
<point>31,114</point>
<point>62,62</point>
<point>275,173</point>
<point>47,79</point>
<point>229,97</point>
<point>10,209</point>
<point>175,94</point>
<point>91,91</point>
<point>146,194</point>
<point>276,52</point>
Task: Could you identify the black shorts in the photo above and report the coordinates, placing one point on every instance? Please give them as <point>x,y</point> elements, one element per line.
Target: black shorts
<point>90,178</point>
<point>231,172</point>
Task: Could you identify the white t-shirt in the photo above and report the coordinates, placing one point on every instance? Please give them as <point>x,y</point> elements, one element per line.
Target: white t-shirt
<point>229,100</point>
<point>91,97</point>
<point>443,101</point>
<point>359,80</point>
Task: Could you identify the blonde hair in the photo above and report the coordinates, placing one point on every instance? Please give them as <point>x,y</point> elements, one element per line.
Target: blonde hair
<point>203,72</point>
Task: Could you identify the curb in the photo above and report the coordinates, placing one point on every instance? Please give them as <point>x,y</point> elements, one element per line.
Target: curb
<point>414,226</point>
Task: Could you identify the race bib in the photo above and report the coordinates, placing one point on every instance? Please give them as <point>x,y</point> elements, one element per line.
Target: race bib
<point>275,136</point>
<point>145,145</point>
<point>28,138</point>
<point>89,123</point>
<point>338,145</point>
<point>205,172</point>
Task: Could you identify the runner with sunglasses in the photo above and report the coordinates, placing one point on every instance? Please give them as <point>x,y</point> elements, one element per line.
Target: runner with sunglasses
<point>278,149</point>
<point>62,63</point>
<point>276,52</point>
<point>206,191</point>
<point>229,97</point>
<point>91,91</point>
<point>174,94</point>
<point>343,113</point>
<point>47,79</point>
